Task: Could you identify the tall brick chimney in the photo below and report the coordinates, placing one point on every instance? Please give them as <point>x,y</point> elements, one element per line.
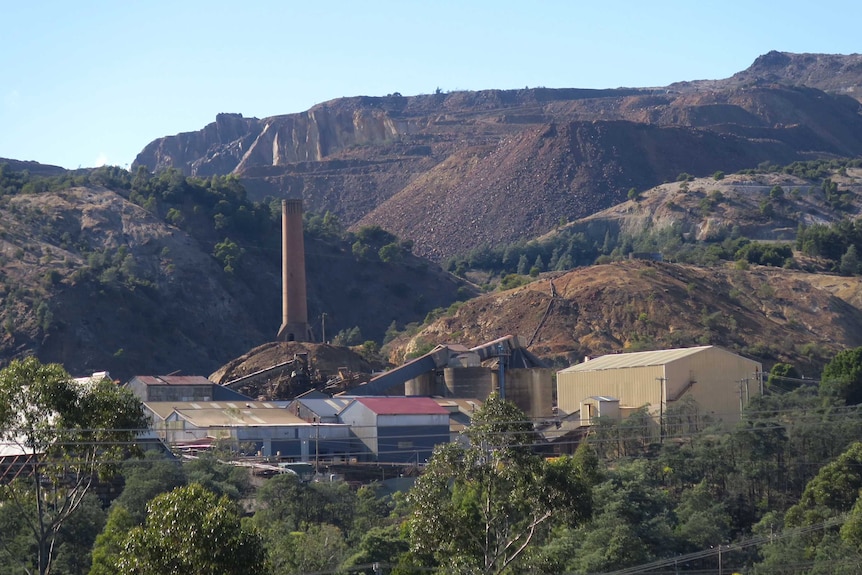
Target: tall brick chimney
<point>294,310</point>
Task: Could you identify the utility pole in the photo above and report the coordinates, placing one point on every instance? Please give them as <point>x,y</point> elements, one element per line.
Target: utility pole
<point>316,447</point>
<point>323,327</point>
<point>661,389</point>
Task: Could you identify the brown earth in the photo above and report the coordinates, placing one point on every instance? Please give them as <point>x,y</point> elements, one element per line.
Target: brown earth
<point>458,170</point>
<point>90,280</point>
<point>769,314</point>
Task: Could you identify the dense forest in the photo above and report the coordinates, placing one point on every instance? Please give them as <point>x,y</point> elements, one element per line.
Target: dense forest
<point>777,493</point>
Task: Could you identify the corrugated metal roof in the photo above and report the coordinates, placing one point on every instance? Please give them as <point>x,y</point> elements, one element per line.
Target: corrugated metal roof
<point>14,448</point>
<point>164,408</point>
<point>173,380</point>
<point>402,405</point>
<point>240,417</point>
<point>636,359</point>
<point>464,405</point>
<point>325,407</point>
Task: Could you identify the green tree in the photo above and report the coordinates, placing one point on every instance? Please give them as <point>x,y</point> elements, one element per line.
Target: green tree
<point>391,253</point>
<point>379,545</point>
<point>218,477</point>
<point>480,506</point>
<point>842,377</point>
<point>146,478</point>
<point>361,251</point>
<point>109,543</point>
<point>850,261</point>
<point>703,519</point>
<point>347,337</point>
<point>228,254</point>
<point>523,262</point>
<point>632,522</point>
<point>782,375</point>
<point>192,531</point>
<point>319,547</point>
<point>72,434</point>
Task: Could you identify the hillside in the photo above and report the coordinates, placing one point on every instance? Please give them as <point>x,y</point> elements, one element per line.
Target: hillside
<point>763,205</point>
<point>95,281</point>
<point>768,314</point>
<point>454,171</point>
<point>157,272</point>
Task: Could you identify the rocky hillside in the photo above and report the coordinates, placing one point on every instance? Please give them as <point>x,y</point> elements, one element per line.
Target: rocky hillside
<point>152,273</point>
<point>453,171</point>
<point>767,206</point>
<point>836,74</point>
<point>95,281</point>
<point>769,314</point>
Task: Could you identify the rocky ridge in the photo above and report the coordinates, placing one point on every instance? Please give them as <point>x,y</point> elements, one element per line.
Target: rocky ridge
<point>453,171</point>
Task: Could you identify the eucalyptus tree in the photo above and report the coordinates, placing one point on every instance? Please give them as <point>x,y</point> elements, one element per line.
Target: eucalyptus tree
<point>69,435</point>
<point>192,531</point>
<point>480,505</point>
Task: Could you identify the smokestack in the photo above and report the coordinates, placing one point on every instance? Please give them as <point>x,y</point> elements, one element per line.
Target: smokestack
<point>294,311</point>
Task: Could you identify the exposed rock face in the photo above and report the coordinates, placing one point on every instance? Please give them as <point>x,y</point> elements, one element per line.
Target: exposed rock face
<point>455,171</point>
<point>217,149</point>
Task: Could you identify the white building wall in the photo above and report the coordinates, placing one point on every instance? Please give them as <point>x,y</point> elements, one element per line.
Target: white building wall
<point>400,420</point>
<point>363,424</point>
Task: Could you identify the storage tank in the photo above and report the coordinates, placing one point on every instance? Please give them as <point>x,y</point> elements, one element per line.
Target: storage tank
<point>530,389</point>
<point>421,385</point>
<point>468,382</point>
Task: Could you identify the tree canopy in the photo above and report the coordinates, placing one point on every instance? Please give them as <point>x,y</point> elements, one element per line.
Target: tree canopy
<point>480,506</point>
<point>71,435</point>
<point>192,531</point>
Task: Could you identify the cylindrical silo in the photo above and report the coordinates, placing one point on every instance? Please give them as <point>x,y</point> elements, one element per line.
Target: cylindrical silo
<point>530,389</point>
<point>468,382</point>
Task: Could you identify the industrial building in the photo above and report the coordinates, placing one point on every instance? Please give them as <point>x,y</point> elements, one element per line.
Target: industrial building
<point>264,428</point>
<point>398,429</point>
<point>180,388</point>
<point>454,371</point>
<point>720,382</point>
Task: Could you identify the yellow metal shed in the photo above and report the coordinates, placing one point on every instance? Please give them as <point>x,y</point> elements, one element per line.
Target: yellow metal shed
<point>721,382</point>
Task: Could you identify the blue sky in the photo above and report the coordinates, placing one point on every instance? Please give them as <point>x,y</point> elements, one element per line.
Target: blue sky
<point>83,83</point>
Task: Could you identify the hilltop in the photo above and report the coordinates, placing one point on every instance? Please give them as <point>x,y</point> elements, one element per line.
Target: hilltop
<point>454,171</point>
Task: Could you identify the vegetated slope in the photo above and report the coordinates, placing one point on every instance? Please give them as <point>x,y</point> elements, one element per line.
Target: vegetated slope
<point>93,281</point>
<point>452,171</point>
<point>769,314</point>
<point>760,206</point>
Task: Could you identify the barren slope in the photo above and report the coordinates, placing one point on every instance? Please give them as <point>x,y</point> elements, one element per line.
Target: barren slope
<point>768,314</point>
<point>458,170</point>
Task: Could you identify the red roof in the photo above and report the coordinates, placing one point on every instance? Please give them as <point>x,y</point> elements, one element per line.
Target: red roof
<point>402,405</point>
